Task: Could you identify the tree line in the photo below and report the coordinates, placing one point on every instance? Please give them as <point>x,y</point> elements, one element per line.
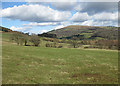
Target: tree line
<point>21,38</point>
<point>35,40</point>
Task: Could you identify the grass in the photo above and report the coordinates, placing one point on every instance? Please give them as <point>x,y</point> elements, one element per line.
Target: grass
<point>28,65</point>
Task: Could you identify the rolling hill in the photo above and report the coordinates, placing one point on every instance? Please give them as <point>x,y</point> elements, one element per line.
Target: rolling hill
<point>79,32</point>
<point>7,30</point>
<point>47,65</point>
<point>86,32</point>
<point>4,29</point>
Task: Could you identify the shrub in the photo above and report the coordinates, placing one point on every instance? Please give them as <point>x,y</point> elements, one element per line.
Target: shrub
<point>18,38</point>
<point>35,40</point>
<point>55,45</point>
<point>60,46</point>
<point>47,45</point>
<point>74,43</point>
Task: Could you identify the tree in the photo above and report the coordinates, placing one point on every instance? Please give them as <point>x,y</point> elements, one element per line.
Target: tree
<point>18,38</point>
<point>35,40</point>
<point>74,43</point>
<point>26,39</point>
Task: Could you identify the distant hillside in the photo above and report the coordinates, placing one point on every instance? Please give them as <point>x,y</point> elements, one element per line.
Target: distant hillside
<point>86,32</point>
<point>79,32</point>
<point>3,29</point>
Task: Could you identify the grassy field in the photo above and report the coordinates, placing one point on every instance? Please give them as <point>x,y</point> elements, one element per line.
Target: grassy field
<point>28,65</point>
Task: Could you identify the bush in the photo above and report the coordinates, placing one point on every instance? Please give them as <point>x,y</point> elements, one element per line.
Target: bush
<point>74,43</point>
<point>91,46</point>
<point>18,38</point>
<point>26,39</point>
<point>55,45</point>
<point>48,45</point>
<point>35,40</point>
<point>60,46</point>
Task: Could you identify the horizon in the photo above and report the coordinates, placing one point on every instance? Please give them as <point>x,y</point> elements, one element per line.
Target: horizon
<point>47,16</point>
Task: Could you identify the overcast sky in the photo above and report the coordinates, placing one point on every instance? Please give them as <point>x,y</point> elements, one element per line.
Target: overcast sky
<point>39,17</point>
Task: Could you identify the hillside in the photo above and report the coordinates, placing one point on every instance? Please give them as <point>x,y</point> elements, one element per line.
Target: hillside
<point>66,65</point>
<point>79,32</point>
<point>86,32</point>
<point>4,29</point>
<point>8,31</point>
<point>40,65</point>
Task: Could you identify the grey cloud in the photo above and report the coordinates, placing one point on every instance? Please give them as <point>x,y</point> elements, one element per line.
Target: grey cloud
<point>98,7</point>
<point>64,6</point>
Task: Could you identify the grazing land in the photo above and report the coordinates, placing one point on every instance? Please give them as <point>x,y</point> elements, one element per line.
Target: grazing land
<point>47,65</point>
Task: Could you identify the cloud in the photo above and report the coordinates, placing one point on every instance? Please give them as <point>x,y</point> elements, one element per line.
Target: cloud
<point>16,28</point>
<point>58,27</point>
<point>97,7</point>
<point>99,23</point>
<point>78,7</point>
<point>71,0</point>
<point>80,17</point>
<point>37,31</point>
<point>99,19</point>
<point>58,15</point>
<point>96,19</point>
<point>35,13</point>
<point>106,16</point>
<point>42,24</point>
<point>20,28</point>
<point>90,6</point>
<point>49,23</point>
<point>64,5</point>
<point>43,31</point>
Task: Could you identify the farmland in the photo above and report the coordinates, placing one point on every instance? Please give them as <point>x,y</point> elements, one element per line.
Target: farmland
<point>47,65</point>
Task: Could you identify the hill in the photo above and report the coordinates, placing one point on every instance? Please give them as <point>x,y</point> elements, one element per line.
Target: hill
<point>86,32</point>
<point>36,65</point>
<point>79,32</point>
<point>4,29</point>
<point>9,31</point>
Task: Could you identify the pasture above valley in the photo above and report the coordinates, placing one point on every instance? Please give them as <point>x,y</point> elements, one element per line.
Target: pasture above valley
<point>48,65</point>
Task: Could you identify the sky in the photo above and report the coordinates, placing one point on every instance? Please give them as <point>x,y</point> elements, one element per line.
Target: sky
<point>39,17</point>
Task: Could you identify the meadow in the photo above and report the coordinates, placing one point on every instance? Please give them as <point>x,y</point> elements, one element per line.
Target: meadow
<point>46,65</point>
